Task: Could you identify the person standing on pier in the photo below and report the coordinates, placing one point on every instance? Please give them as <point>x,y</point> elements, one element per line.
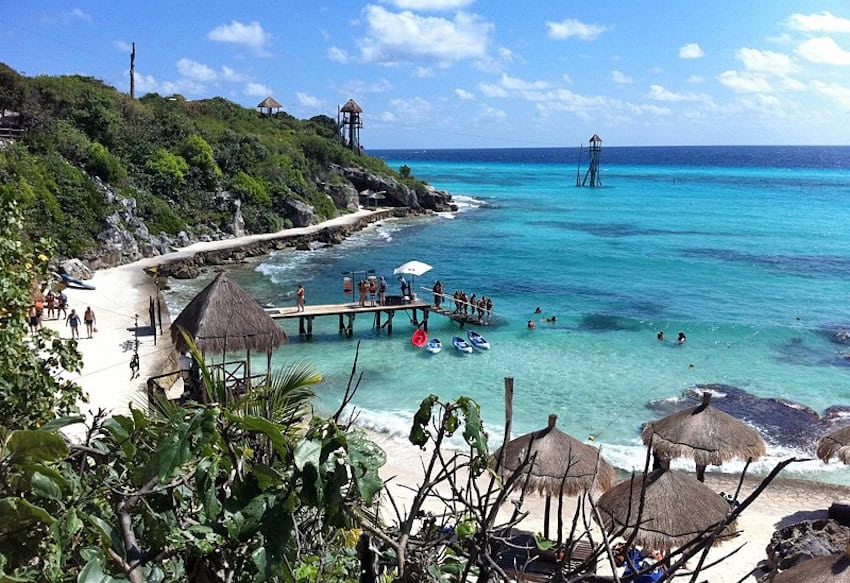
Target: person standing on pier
<point>438,294</point>
<point>382,291</point>
<point>372,290</point>
<point>299,298</point>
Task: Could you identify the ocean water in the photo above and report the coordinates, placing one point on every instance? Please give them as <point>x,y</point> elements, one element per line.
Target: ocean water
<point>746,250</point>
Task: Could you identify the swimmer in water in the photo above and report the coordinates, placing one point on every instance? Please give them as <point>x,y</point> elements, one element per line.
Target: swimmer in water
<point>537,310</point>
<point>681,339</point>
<point>660,335</point>
<point>550,319</point>
<point>530,324</point>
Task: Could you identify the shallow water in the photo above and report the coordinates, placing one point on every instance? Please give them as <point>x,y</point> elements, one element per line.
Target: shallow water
<point>748,255</point>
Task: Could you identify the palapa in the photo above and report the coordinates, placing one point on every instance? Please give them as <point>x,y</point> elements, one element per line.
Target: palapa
<point>676,509</point>
<point>223,317</point>
<point>829,569</point>
<point>836,444</point>
<point>704,433</point>
<point>269,102</point>
<point>561,462</point>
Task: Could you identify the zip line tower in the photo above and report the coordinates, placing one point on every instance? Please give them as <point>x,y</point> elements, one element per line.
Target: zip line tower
<point>595,149</point>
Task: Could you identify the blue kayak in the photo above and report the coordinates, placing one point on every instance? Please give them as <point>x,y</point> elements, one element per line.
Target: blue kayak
<point>461,344</point>
<point>434,346</point>
<point>477,340</point>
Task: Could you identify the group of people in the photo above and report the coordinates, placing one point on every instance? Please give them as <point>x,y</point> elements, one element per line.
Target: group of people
<point>464,303</point>
<point>680,338</point>
<point>374,291</point>
<point>57,307</point>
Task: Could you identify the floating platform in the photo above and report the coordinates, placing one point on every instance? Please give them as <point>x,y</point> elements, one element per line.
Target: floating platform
<point>460,318</point>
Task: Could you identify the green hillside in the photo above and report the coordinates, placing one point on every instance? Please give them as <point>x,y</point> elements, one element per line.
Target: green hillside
<point>172,155</point>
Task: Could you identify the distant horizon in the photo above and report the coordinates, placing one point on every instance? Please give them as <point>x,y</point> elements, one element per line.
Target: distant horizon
<point>367,150</point>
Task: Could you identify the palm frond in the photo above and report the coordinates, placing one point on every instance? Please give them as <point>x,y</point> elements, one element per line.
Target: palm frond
<point>285,400</point>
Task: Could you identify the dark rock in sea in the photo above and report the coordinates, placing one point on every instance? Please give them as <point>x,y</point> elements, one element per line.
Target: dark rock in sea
<point>607,323</point>
<point>300,213</point>
<point>305,246</point>
<point>186,271</point>
<point>837,334</point>
<point>781,422</point>
<point>805,540</point>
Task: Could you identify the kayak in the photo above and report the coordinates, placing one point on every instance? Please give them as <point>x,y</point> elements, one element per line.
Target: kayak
<point>461,344</point>
<point>477,340</point>
<point>73,282</point>
<point>419,338</point>
<point>434,346</point>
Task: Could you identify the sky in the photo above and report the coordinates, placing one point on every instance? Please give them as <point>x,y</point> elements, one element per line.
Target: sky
<point>476,73</point>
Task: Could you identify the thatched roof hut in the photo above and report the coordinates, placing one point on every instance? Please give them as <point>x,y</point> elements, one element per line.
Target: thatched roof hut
<point>676,508</point>
<point>556,455</point>
<point>706,434</point>
<point>835,444</point>
<point>351,106</point>
<point>829,569</point>
<point>268,105</point>
<point>223,317</point>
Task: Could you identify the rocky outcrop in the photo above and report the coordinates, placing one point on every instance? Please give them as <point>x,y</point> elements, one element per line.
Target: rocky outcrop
<point>395,193</point>
<point>344,195</point>
<point>300,213</point>
<point>76,268</point>
<point>237,223</point>
<point>805,540</point>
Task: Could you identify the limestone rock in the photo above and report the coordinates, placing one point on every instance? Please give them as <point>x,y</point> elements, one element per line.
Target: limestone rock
<point>237,223</point>
<point>804,540</point>
<point>343,194</point>
<point>76,268</point>
<point>300,213</point>
<point>185,271</point>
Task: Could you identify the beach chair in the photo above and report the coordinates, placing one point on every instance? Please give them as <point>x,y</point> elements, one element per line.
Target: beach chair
<point>520,558</point>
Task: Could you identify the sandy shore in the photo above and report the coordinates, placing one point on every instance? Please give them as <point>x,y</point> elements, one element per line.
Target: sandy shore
<point>124,291</point>
<point>785,502</point>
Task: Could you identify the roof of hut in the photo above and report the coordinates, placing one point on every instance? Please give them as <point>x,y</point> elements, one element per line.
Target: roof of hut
<point>223,317</point>
<point>676,508</point>
<point>269,102</point>
<point>595,138</point>
<point>706,434</point>
<point>828,569</point>
<point>556,454</point>
<point>351,106</point>
<point>836,444</point>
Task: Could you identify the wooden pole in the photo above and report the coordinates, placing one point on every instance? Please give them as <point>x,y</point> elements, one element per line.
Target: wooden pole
<point>133,71</point>
<point>341,325</point>
<point>248,369</point>
<point>546,517</point>
<point>309,327</point>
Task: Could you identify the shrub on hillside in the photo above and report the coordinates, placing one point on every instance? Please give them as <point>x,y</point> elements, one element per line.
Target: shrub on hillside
<point>249,189</point>
<point>103,164</point>
<point>167,171</point>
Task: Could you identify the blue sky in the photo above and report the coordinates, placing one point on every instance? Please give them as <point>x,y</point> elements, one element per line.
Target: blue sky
<point>477,73</point>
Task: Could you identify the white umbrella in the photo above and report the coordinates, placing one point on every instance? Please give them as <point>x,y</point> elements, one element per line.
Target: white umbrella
<point>412,268</point>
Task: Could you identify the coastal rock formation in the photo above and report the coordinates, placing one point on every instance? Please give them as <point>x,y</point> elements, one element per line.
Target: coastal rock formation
<point>396,193</point>
<point>76,268</point>
<point>805,540</point>
<point>780,421</point>
<point>342,193</point>
<point>300,213</point>
<point>237,223</point>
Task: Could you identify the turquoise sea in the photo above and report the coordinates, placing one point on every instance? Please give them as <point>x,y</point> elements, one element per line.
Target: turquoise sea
<point>746,250</point>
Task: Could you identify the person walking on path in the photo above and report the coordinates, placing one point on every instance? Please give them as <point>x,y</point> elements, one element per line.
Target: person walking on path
<point>51,305</point>
<point>32,318</point>
<point>62,305</point>
<point>299,298</point>
<point>73,320</point>
<point>90,321</point>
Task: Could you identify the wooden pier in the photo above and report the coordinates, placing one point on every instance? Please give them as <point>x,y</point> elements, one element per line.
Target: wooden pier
<point>381,316</point>
<point>460,317</point>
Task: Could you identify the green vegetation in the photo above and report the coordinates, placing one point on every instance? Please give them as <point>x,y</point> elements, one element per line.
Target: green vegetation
<point>170,154</point>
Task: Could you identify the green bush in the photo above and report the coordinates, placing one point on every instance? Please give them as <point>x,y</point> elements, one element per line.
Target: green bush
<point>103,164</point>
<point>199,155</point>
<point>249,189</point>
<point>166,170</point>
<point>158,215</point>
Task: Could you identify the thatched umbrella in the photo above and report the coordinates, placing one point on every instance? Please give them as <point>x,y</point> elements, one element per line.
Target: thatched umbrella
<point>562,464</point>
<point>223,317</point>
<point>829,569</point>
<point>676,508</point>
<point>835,444</point>
<point>704,433</point>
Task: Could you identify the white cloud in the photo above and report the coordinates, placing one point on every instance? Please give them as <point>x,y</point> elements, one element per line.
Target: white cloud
<point>651,108</point>
<point>309,101</point>
<point>745,82</point>
<point>465,95</point>
<point>620,78</point>
<point>67,17</point>
<point>412,110</point>
<point>768,62</point>
<point>691,51</point>
<point>122,46</point>
<point>497,63</point>
<point>696,79</point>
<point>388,117</point>
<point>491,90</point>
<point>145,83</point>
<point>424,72</point>
<point>660,93</point>
<point>574,28</point>
<point>358,87</point>
<point>823,50</point>
<point>195,71</point>
<point>231,76</point>
<point>251,35</point>
<point>840,93</point>
<point>823,22</point>
<point>490,114</point>
<point>79,14</point>
<point>516,84</point>
<point>402,36</point>
<point>256,90</point>
<point>430,4</point>
<point>337,55</point>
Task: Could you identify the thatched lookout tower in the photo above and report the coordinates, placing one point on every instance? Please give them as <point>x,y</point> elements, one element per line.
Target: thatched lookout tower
<point>222,318</point>
<point>593,169</point>
<point>349,123</point>
<point>269,106</point>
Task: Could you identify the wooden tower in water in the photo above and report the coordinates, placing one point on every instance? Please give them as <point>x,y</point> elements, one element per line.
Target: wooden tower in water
<point>349,122</point>
<point>595,149</point>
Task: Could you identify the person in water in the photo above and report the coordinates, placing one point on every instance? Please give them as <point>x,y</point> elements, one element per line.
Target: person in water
<point>530,324</point>
<point>660,335</point>
<point>537,310</point>
<point>681,339</point>
<point>550,319</point>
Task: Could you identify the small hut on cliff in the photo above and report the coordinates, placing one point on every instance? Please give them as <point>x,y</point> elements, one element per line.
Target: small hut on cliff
<point>269,106</point>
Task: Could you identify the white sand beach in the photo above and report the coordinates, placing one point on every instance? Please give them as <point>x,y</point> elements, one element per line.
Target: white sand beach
<point>124,291</point>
